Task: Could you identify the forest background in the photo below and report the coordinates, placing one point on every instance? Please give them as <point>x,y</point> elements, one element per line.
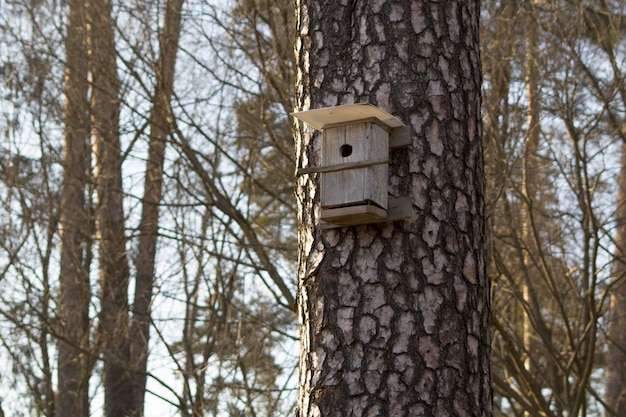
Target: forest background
<point>148,221</point>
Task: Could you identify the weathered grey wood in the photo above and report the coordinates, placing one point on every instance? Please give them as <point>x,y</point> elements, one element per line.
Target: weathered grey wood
<point>380,124</point>
<point>342,167</point>
<point>353,215</point>
<point>355,186</point>
<point>400,137</point>
<point>325,117</point>
<point>399,208</point>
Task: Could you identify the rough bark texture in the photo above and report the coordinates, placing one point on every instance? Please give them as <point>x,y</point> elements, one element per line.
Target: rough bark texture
<point>114,270</point>
<point>394,318</point>
<point>74,291</point>
<point>616,357</point>
<point>160,127</point>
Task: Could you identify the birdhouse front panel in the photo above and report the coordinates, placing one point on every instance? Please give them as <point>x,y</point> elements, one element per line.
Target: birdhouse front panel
<point>364,144</point>
<point>354,167</point>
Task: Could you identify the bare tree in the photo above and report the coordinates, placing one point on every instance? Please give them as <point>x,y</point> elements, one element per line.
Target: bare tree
<point>74,287</point>
<point>557,236</point>
<point>113,332</point>
<point>160,122</point>
<point>126,89</point>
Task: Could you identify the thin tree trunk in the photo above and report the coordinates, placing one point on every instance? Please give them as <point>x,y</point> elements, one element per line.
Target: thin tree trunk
<point>160,127</point>
<point>394,318</point>
<point>529,185</point>
<point>114,270</point>
<point>616,356</point>
<point>74,290</point>
<point>536,334</point>
<point>615,373</point>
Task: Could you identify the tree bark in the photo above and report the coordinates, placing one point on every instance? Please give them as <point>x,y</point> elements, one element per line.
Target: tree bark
<point>160,126</point>
<point>394,318</point>
<point>530,188</point>
<point>114,271</point>
<point>74,290</point>
<point>615,396</point>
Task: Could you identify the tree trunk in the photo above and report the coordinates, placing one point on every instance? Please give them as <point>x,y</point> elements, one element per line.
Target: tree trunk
<point>616,355</point>
<point>114,270</point>
<point>530,189</point>
<point>604,28</point>
<point>394,318</point>
<point>74,291</point>
<point>160,127</point>
<point>536,334</point>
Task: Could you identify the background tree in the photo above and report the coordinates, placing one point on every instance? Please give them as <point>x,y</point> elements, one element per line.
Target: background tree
<point>113,336</point>
<point>160,125</point>
<point>605,26</point>
<point>74,361</point>
<point>29,190</point>
<point>225,257</point>
<point>566,256</point>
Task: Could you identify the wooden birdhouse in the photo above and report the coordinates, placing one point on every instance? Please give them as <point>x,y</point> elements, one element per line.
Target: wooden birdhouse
<point>354,167</point>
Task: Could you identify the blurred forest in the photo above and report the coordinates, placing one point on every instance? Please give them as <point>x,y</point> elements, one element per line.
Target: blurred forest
<point>148,219</point>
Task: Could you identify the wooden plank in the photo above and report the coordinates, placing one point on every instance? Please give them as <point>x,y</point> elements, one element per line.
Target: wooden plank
<point>365,142</point>
<point>399,208</point>
<point>344,166</point>
<point>321,118</point>
<point>378,176</point>
<point>354,215</point>
<point>400,137</point>
<point>340,188</point>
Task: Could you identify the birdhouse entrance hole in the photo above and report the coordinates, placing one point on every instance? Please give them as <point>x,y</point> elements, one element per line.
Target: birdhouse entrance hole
<point>346,150</point>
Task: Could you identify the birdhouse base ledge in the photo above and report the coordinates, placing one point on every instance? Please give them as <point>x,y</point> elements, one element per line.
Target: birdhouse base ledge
<point>399,208</point>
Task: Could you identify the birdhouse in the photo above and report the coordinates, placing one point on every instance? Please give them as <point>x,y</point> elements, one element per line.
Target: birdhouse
<point>354,167</point>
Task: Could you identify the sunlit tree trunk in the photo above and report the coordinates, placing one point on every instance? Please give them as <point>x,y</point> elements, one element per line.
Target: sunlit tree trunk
<point>114,270</point>
<point>394,318</point>
<point>74,291</point>
<point>529,191</point>
<point>160,125</point>
<point>616,357</point>
<point>536,335</point>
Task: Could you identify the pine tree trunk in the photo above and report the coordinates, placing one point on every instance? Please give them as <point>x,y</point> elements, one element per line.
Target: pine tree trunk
<point>160,119</point>
<point>74,292</point>
<point>114,270</point>
<point>530,167</point>
<point>616,356</point>
<point>394,318</point>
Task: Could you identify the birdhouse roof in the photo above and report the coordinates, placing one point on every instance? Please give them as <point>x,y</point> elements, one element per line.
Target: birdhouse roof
<point>320,118</point>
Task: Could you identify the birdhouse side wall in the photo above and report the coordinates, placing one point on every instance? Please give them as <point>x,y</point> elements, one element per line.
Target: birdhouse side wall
<point>363,142</point>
